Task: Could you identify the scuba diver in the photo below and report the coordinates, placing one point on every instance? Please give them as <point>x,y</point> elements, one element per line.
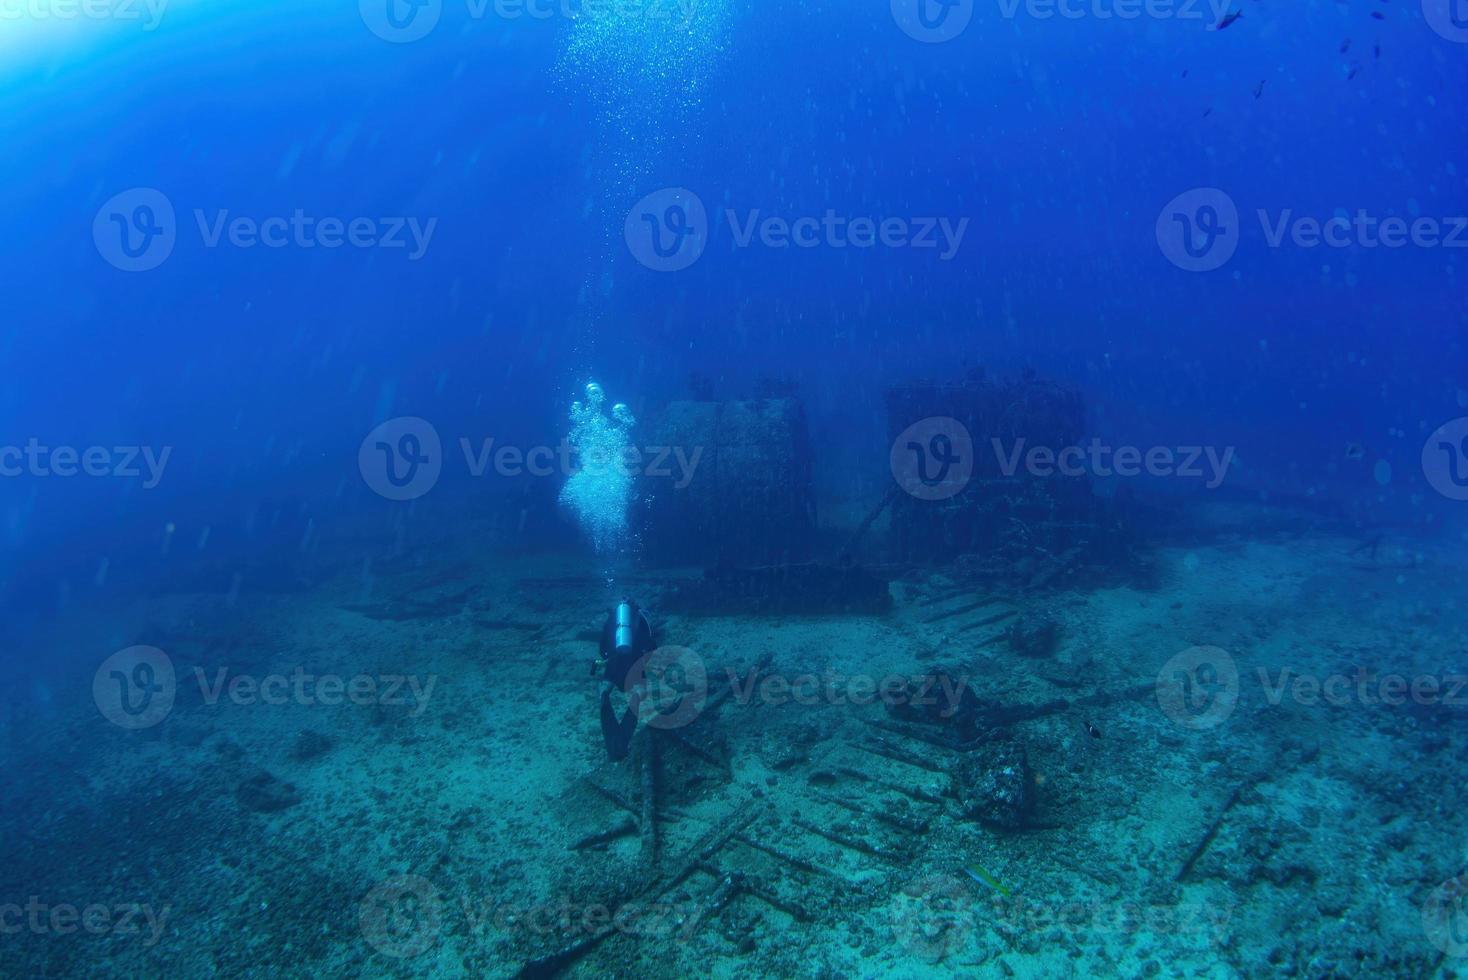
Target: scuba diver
<point>626,638</point>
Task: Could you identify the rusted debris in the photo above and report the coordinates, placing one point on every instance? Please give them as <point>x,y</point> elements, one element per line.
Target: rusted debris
<point>916,794</point>
<point>1201,847</point>
<point>622,829</point>
<point>800,864</point>
<point>888,751</point>
<point>549,964</point>
<point>649,824</point>
<point>616,799</point>
<point>998,617</point>
<point>722,764</point>
<point>891,819</point>
<point>852,843</point>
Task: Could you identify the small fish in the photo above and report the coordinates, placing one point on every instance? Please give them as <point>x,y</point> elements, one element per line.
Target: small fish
<point>1259,89</point>
<point>1345,45</point>
<point>985,878</point>
<point>1352,73</point>
<point>1376,49</point>
<point>1092,730</point>
<point>1185,73</point>
<point>1207,112</point>
<point>1378,15</point>
<point>1228,19</point>
<point>1354,450</point>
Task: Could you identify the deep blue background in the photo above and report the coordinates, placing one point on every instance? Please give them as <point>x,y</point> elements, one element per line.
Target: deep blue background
<point>1059,140</point>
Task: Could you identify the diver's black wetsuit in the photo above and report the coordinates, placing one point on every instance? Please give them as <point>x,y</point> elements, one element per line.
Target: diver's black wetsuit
<point>625,639</point>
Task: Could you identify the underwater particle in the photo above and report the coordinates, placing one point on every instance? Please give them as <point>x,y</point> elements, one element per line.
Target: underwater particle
<point>645,68</point>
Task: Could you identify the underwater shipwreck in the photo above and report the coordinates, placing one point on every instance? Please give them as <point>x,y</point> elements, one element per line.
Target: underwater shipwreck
<point>767,799</point>
<point>715,730</point>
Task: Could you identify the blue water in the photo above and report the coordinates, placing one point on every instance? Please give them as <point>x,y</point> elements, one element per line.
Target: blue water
<point>507,158</point>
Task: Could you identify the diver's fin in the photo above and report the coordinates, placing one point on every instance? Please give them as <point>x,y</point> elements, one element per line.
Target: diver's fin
<point>617,733</point>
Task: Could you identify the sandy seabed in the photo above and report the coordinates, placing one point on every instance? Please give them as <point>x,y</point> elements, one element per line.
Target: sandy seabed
<point>407,779</point>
